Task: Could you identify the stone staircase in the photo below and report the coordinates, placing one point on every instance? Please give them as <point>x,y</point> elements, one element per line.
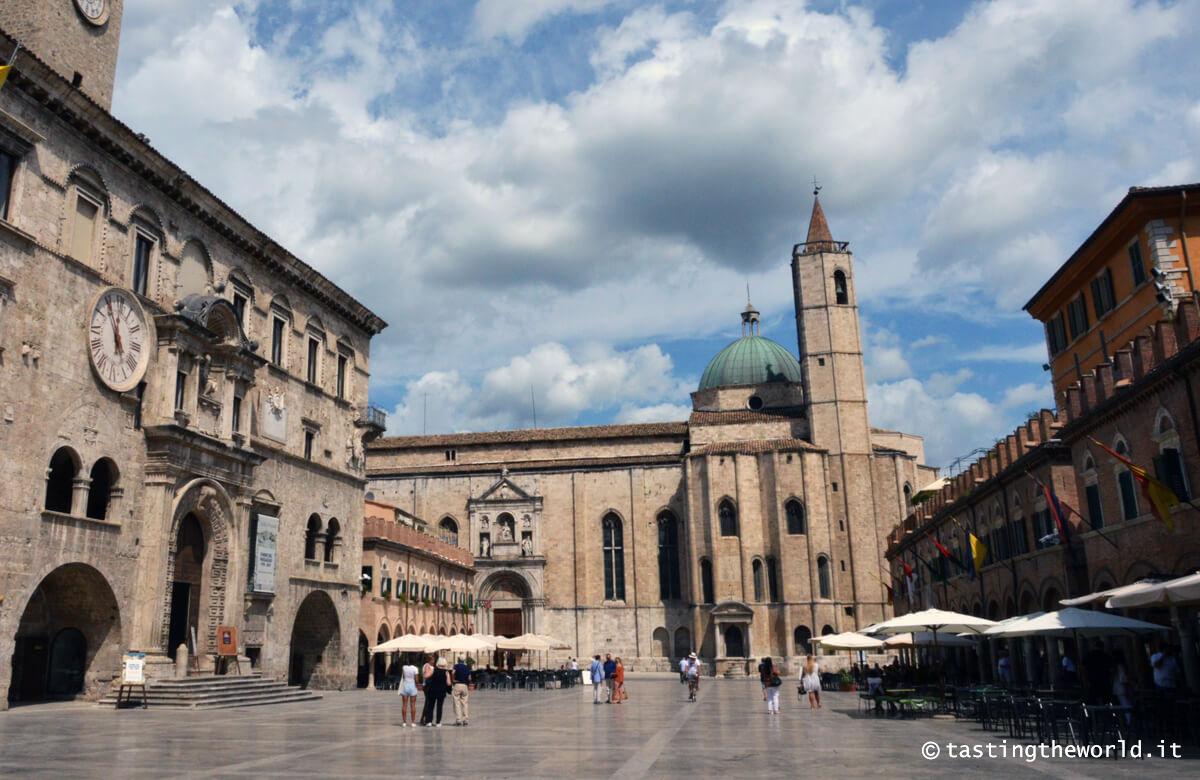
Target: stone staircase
<point>207,692</point>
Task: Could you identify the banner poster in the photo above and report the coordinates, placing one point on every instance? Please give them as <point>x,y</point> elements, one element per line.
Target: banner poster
<point>264,555</point>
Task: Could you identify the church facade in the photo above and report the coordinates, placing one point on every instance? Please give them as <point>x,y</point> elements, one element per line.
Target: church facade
<point>744,531</point>
<point>182,401</point>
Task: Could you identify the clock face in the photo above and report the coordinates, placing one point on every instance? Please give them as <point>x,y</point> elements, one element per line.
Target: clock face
<point>117,339</point>
<point>95,11</point>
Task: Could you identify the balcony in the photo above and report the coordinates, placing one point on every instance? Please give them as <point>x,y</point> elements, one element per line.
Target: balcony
<point>374,420</point>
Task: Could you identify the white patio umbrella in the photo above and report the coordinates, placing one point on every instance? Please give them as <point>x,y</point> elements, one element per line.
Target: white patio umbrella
<point>924,638</point>
<point>1104,595</point>
<point>1072,622</point>
<point>555,643</point>
<point>408,643</point>
<point>847,641</point>
<point>523,642</point>
<point>934,620</point>
<point>459,643</point>
<point>1176,592</point>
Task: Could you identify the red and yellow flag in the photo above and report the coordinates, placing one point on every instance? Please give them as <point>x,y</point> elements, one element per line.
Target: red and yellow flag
<point>4,69</point>
<point>1162,499</point>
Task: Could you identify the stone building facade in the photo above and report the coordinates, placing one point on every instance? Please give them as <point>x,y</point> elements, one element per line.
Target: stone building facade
<point>739,533</point>
<point>183,401</point>
<point>412,583</point>
<point>1138,398</point>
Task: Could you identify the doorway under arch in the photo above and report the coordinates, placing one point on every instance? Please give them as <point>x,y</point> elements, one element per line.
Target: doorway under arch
<point>734,645</point>
<point>316,643</point>
<point>69,636</point>
<point>683,642</point>
<point>364,661</point>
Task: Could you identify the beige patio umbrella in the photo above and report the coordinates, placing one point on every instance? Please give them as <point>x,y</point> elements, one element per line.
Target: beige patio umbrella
<point>555,644</point>
<point>847,641</point>
<point>1176,592</point>
<point>408,643</point>
<point>924,638</point>
<point>935,620</point>
<point>523,642</point>
<point>459,643</point>
<point>1105,595</point>
<point>1072,622</point>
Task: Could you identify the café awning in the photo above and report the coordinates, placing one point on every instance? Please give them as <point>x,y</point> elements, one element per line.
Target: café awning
<point>1176,592</point>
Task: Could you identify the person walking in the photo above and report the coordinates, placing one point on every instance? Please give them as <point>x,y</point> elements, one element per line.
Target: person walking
<point>427,670</point>
<point>462,681</point>
<point>619,682</point>
<point>693,676</point>
<point>771,684</point>
<point>810,678</point>
<point>596,670</point>
<point>408,695</point>
<point>683,667</point>
<point>437,685</point>
<point>610,675</point>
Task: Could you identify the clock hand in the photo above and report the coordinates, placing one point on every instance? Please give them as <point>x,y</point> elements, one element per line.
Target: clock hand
<point>116,330</point>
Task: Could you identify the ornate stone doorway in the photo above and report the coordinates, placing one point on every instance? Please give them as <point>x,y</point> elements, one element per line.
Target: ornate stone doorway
<point>187,588</point>
<point>69,636</point>
<point>197,569</point>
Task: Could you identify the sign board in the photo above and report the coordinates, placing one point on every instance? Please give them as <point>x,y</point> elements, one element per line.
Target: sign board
<point>264,554</point>
<point>587,676</point>
<point>227,640</point>
<point>133,669</point>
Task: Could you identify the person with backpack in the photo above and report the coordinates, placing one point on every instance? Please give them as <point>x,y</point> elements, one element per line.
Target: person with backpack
<point>693,676</point>
<point>596,670</point>
<point>771,683</point>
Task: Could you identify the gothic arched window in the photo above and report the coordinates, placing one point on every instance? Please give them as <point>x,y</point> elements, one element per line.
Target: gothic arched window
<point>772,579</point>
<point>795,516</point>
<point>824,582</point>
<point>706,581</point>
<point>728,518</point>
<point>449,531</point>
<point>310,537</point>
<point>668,557</point>
<point>614,559</point>
<point>64,466</point>
<point>757,568</point>
<point>331,538</point>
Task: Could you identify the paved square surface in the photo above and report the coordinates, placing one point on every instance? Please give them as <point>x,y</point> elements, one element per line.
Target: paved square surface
<point>657,733</point>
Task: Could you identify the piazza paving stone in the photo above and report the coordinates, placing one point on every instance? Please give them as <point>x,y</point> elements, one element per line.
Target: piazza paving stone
<point>555,733</point>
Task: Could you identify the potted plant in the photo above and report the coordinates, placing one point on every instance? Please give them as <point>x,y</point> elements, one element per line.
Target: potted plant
<point>426,601</point>
<point>845,681</point>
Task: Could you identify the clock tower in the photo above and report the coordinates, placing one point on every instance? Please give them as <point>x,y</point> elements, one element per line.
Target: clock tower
<point>78,38</point>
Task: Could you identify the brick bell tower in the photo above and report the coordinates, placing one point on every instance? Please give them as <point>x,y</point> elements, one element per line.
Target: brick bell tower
<point>78,38</point>
<point>831,362</point>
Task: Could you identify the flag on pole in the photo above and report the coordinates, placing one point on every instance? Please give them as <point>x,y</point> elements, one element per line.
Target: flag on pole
<point>970,552</point>
<point>891,595</point>
<point>1162,499</point>
<point>1055,508</point>
<point>947,554</point>
<point>4,69</point>
<point>979,551</point>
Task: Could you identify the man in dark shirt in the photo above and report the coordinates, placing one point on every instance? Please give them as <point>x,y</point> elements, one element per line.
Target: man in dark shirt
<point>462,680</point>
<point>610,676</point>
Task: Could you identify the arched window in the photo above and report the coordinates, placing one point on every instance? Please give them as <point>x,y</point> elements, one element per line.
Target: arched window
<point>907,496</point>
<point>331,538</point>
<point>826,630</point>
<point>1091,489</point>
<point>311,534</point>
<point>840,291</point>
<point>772,579</point>
<point>63,467</point>
<point>662,642</point>
<point>728,518</point>
<point>1125,484</point>
<point>757,568</point>
<point>802,637</point>
<point>194,270</point>
<point>614,559</point>
<point>449,531</point>
<point>795,516</point>
<point>668,557</point>
<point>1169,466</point>
<point>706,581</point>
<point>147,237</point>
<point>824,583</point>
<point>104,479</point>
<point>87,213</point>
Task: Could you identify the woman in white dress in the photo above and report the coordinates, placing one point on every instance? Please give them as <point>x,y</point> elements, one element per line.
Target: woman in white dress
<point>408,695</point>
<point>810,678</point>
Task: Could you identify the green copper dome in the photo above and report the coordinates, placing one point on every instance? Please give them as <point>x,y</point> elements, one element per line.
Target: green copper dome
<point>751,360</point>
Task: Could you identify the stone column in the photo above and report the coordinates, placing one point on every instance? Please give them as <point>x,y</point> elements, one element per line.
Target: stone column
<point>1186,626</point>
<point>151,577</point>
<point>1029,656</point>
<point>1052,660</point>
<point>79,495</point>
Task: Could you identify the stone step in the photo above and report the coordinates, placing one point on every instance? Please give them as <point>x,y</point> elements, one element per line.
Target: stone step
<point>217,692</point>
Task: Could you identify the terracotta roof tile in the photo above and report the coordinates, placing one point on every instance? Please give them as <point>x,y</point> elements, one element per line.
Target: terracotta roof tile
<point>755,447</point>
<point>632,431</point>
<point>746,416</point>
<point>527,465</point>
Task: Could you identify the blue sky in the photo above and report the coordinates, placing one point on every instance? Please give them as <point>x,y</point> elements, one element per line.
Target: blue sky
<point>571,195</point>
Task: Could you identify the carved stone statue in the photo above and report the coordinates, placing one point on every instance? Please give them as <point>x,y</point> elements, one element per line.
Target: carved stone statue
<point>526,546</point>
<point>506,534</point>
<point>354,453</point>
<point>484,523</point>
<point>485,546</point>
<point>526,523</point>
